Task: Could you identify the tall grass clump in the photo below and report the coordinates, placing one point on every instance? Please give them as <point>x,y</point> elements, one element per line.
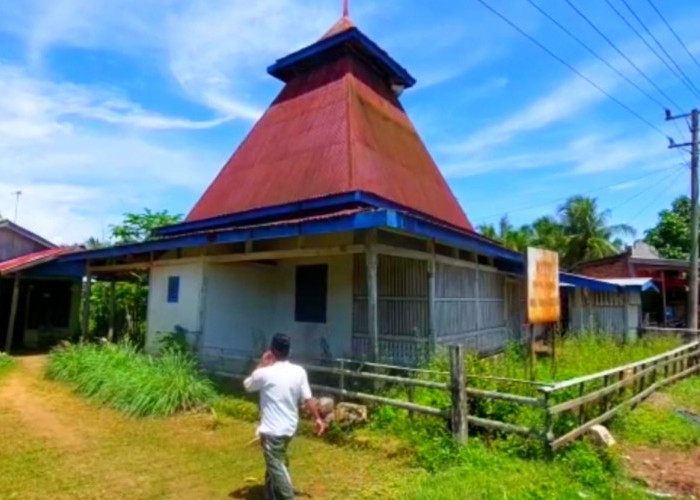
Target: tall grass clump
<point>134,383</point>
<point>6,362</point>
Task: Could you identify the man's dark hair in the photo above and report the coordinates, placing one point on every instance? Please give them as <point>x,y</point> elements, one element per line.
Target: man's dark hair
<point>280,346</point>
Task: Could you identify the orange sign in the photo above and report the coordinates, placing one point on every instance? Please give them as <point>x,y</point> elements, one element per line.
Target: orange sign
<point>543,304</point>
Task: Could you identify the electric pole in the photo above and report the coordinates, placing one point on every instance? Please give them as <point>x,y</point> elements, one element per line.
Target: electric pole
<point>693,268</point>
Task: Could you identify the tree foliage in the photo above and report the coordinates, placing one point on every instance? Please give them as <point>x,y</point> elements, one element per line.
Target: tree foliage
<point>131,292</point>
<point>671,234</point>
<point>139,227</point>
<point>580,231</point>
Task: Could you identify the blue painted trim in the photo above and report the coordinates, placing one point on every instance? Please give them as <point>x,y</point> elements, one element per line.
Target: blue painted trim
<point>57,269</point>
<point>318,49</point>
<point>381,218</point>
<point>359,221</point>
<point>265,214</point>
<point>461,239</point>
<point>302,208</point>
<point>586,282</point>
<point>650,286</point>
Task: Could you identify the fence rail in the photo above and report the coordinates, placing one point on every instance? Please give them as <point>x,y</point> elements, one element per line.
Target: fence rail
<point>596,398</point>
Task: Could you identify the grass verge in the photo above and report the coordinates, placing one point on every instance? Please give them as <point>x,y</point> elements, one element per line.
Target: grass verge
<point>6,363</point>
<point>657,423</point>
<point>133,382</point>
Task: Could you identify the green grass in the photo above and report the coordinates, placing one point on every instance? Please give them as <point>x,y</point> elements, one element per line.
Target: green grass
<point>576,355</point>
<point>488,473</point>
<point>6,363</point>
<point>656,423</point>
<point>133,382</point>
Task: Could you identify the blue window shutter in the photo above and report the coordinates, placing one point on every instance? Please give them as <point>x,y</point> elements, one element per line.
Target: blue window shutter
<point>173,289</point>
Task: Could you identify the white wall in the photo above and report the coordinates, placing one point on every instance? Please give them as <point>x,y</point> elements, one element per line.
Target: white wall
<point>163,317</point>
<point>245,304</point>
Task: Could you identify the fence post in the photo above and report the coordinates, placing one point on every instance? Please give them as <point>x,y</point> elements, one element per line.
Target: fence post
<point>548,427</point>
<point>341,382</point>
<point>460,430</point>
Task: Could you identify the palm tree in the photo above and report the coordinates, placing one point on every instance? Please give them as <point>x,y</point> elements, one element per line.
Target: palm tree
<point>548,233</point>
<point>587,233</point>
<point>508,235</point>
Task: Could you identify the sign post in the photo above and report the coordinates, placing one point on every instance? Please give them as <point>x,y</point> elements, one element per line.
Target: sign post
<point>543,301</point>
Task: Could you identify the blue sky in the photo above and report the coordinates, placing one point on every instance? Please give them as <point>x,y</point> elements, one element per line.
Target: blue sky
<point>113,106</point>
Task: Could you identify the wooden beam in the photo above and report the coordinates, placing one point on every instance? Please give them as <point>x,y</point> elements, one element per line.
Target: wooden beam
<point>112,296</point>
<point>296,253</point>
<point>27,303</point>
<point>13,315</point>
<point>663,297</point>
<point>372,295</point>
<point>432,318</point>
<point>87,292</point>
<point>133,266</point>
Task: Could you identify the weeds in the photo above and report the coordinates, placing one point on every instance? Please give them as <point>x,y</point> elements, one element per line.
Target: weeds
<point>6,363</point>
<point>133,382</point>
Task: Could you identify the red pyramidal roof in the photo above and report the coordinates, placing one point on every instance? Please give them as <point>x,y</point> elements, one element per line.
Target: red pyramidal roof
<point>336,127</point>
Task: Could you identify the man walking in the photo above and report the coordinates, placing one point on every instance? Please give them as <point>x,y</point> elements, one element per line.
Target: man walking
<point>283,387</point>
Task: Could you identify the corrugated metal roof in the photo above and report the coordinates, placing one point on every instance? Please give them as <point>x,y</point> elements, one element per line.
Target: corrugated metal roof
<point>643,283</point>
<point>33,259</point>
<point>336,129</point>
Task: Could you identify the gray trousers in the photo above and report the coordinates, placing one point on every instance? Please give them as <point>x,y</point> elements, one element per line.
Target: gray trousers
<point>278,483</point>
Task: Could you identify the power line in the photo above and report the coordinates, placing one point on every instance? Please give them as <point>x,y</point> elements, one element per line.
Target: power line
<point>623,55</point>
<point>663,49</point>
<point>648,188</point>
<point>596,55</point>
<point>573,69</point>
<point>680,41</point>
<point>648,45</point>
<point>654,200</point>
<point>564,198</point>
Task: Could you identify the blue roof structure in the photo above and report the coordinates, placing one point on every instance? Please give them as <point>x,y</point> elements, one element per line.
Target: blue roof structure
<point>327,49</point>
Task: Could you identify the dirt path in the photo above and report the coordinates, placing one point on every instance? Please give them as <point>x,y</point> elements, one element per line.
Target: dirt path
<point>55,444</point>
<point>16,395</point>
<point>667,471</point>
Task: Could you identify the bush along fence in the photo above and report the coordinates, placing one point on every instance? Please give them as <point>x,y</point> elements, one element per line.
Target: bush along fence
<point>553,413</point>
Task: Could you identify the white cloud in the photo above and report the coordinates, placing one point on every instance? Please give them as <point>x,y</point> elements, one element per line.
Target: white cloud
<point>82,155</point>
<point>586,154</point>
<point>214,47</point>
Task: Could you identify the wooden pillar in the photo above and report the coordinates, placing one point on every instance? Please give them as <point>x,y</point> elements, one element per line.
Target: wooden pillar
<point>87,292</point>
<point>458,382</point>
<point>27,304</point>
<point>663,298</point>
<point>431,298</point>
<point>372,296</point>
<point>13,315</point>
<point>112,294</point>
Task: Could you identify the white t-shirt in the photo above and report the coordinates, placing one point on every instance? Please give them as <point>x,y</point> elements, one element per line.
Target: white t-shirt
<point>283,387</point>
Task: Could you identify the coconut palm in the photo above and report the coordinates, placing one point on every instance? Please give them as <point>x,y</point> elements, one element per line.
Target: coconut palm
<point>587,233</point>
<point>507,234</point>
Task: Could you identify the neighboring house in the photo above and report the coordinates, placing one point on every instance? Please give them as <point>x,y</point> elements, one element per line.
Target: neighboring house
<point>38,306</point>
<point>642,261</point>
<point>331,223</point>
<point>608,305</point>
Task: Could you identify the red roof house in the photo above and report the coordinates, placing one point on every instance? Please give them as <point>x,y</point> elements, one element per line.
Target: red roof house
<point>38,306</point>
<point>330,222</point>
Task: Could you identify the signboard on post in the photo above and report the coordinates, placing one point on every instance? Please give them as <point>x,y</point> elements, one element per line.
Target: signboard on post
<point>543,304</point>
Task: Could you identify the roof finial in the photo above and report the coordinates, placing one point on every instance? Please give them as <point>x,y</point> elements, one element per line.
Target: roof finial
<point>346,9</point>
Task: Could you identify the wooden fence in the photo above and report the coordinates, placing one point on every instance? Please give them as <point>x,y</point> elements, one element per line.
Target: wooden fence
<point>568,408</point>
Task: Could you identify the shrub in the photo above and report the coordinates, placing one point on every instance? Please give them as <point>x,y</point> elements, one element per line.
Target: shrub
<point>6,362</point>
<point>133,382</point>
